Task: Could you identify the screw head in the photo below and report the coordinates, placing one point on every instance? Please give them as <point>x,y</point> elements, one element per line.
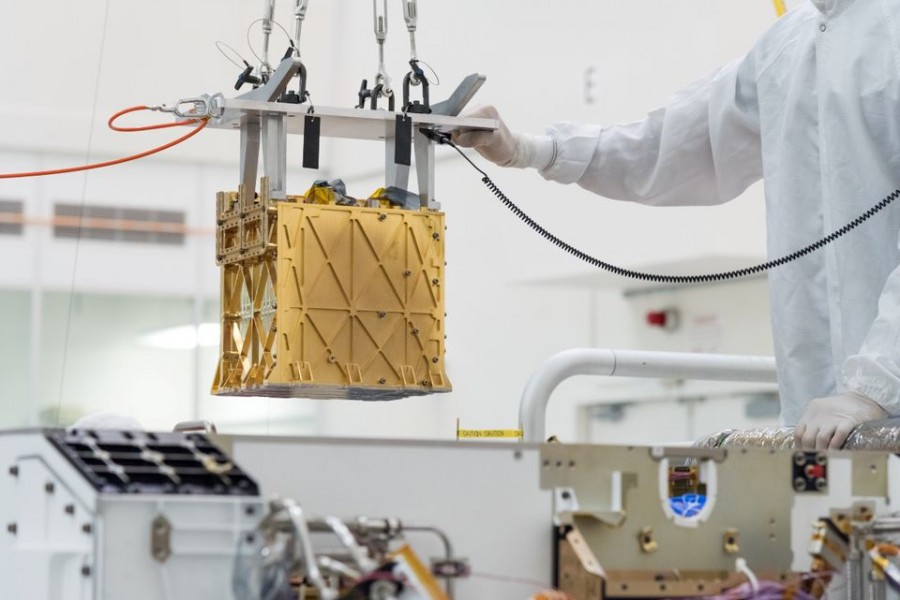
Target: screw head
<point>69,509</point>
<point>407,273</point>
<point>415,332</point>
<point>435,236</point>
<point>14,471</point>
<point>381,314</point>
<point>12,528</point>
<point>86,571</point>
<point>435,359</point>
<point>382,381</point>
<point>435,281</point>
<point>86,528</point>
<point>382,217</point>
<point>49,487</point>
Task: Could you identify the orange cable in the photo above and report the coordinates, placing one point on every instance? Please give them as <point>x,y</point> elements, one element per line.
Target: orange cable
<point>109,163</point>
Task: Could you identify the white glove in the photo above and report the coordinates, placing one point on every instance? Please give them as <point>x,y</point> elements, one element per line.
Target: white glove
<point>504,147</point>
<point>827,422</point>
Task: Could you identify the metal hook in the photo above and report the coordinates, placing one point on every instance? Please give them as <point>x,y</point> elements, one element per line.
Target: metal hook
<point>199,107</point>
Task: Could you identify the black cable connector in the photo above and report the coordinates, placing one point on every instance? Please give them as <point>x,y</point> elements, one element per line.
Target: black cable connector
<point>440,137</point>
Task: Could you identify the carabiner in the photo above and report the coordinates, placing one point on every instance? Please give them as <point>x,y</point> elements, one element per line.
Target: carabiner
<point>198,107</point>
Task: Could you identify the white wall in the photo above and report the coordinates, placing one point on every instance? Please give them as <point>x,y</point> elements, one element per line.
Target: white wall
<point>503,320</point>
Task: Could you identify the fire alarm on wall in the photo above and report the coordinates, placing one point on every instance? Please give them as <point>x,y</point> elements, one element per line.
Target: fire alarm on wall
<point>667,319</point>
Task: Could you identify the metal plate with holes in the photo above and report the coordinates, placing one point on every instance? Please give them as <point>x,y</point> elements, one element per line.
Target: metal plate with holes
<point>620,495</point>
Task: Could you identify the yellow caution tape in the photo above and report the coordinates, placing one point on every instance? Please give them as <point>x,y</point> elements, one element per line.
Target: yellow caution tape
<point>780,7</point>
<point>487,433</point>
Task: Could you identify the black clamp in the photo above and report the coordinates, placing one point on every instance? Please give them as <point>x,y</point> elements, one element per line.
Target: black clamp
<point>247,76</point>
<point>302,95</point>
<point>416,77</point>
<point>373,95</point>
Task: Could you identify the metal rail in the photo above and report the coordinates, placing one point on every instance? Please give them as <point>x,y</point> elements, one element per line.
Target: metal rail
<point>630,363</point>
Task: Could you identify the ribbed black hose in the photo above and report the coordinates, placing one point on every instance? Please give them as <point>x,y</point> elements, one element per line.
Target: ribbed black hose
<point>655,277</point>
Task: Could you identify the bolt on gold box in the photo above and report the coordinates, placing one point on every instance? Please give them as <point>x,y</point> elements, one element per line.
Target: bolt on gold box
<point>327,300</point>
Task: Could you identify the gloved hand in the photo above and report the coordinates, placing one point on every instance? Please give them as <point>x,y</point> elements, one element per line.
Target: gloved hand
<point>827,422</point>
<point>497,146</point>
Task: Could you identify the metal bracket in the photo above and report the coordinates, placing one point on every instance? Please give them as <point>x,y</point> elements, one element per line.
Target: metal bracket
<point>460,97</point>
<point>274,132</point>
<point>730,541</point>
<point>647,541</point>
<point>274,140</point>
<point>249,154</point>
<point>202,426</point>
<point>277,83</point>
<point>424,148</point>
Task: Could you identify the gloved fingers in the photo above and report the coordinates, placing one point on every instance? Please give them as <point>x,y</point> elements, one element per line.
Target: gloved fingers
<point>473,139</point>
<point>841,433</point>
<point>824,437</point>
<point>799,431</point>
<point>808,440</point>
<point>484,111</point>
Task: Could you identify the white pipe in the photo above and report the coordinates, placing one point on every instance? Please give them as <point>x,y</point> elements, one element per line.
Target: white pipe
<point>630,363</point>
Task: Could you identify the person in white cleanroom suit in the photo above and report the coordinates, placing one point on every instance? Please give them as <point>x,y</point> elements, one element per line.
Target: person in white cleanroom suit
<point>814,109</point>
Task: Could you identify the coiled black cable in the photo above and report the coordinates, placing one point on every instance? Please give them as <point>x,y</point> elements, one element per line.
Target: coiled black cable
<point>655,277</point>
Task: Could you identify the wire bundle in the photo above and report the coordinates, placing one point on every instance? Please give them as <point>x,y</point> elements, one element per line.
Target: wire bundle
<point>766,590</point>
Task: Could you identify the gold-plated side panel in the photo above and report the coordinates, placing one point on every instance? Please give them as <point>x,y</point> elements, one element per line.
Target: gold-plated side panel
<point>330,301</point>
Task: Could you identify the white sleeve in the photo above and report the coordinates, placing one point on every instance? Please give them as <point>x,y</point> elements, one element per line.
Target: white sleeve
<point>703,148</point>
<point>875,370</point>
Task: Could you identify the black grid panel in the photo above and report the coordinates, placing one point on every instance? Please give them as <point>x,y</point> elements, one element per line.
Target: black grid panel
<point>137,462</point>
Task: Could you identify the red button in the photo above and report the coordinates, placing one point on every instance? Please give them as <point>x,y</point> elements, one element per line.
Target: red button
<point>657,318</point>
<point>815,471</point>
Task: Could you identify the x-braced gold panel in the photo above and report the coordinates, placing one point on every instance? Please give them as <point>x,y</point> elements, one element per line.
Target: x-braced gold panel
<point>330,301</point>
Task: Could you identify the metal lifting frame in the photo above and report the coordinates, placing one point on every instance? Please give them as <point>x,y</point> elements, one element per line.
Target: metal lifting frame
<point>265,122</point>
<point>269,128</point>
<point>274,133</point>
